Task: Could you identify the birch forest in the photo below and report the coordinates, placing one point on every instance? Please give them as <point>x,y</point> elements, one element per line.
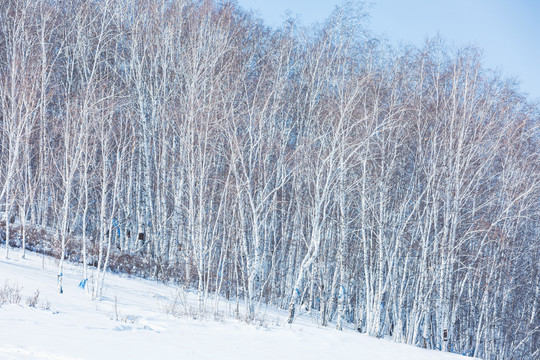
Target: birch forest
<point>320,170</point>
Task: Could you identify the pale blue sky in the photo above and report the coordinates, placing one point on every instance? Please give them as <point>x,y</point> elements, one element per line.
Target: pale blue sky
<point>508,31</point>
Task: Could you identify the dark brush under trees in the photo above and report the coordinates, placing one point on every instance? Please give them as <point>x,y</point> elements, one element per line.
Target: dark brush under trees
<point>397,190</point>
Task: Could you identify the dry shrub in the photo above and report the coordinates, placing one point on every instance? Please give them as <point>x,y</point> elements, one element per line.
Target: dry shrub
<point>32,301</point>
<point>10,294</point>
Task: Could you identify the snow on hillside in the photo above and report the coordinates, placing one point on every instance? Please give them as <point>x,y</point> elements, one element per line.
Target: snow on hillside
<point>131,323</point>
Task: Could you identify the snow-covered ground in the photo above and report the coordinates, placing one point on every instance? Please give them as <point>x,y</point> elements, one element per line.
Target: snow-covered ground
<point>131,323</point>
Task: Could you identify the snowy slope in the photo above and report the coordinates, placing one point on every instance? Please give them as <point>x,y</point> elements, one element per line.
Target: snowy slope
<point>75,327</point>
